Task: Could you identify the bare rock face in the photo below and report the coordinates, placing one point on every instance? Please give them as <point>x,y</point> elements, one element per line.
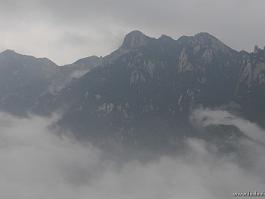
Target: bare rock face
<point>152,84</point>
<point>145,89</point>
<point>183,64</point>
<point>135,39</point>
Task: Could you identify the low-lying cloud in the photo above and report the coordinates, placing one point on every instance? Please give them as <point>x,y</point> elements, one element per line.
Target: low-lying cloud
<point>206,117</point>
<point>36,162</point>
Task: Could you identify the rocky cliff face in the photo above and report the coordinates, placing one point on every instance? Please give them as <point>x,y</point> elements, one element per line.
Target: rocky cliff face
<point>251,85</point>
<point>145,90</point>
<point>148,87</point>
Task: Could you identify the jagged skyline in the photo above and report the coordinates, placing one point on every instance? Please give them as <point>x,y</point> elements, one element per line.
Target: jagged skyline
<point>130,35</point>
<point>67,30</point>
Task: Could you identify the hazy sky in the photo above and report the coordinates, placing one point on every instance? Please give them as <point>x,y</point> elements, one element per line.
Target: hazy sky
<point>65,30</point>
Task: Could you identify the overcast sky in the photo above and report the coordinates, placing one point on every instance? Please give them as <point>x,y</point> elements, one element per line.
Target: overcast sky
<point>66,30</point>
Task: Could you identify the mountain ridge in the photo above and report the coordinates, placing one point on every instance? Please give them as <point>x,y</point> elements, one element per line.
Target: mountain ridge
<point>138,32</point>
<point>149,86</point>
<point>153,87</point>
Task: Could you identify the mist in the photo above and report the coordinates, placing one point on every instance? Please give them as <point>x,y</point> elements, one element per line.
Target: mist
<point>39,162</point>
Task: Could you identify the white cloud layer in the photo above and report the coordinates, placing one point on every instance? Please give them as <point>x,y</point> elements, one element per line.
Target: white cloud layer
<point>37,163</point>
<point>206,117</point>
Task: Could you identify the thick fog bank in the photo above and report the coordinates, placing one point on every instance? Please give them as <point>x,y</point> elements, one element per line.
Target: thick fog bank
<point>37,163</point>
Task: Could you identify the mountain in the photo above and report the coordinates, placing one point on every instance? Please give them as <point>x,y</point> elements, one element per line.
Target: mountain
<point>250,90</point>
<point>81,67</point>
<point>25,80</point>
<point>142,94</point>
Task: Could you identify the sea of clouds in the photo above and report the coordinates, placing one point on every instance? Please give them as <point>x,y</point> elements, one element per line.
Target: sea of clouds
<point>38,162</point>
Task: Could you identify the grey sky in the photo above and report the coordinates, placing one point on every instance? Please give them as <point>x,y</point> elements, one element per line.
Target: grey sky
<point>66,30</point>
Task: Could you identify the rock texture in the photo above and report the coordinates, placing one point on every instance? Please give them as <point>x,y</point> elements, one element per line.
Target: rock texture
<point>144,91</point>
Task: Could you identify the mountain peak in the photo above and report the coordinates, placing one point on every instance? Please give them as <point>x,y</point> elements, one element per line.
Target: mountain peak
<point>135,39</point>
<point>204,35</point>
<point>206,39</point>
<point>87,60</point>
<point>165,38</point>
<point>14,56</point>
<point>9,52</point>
